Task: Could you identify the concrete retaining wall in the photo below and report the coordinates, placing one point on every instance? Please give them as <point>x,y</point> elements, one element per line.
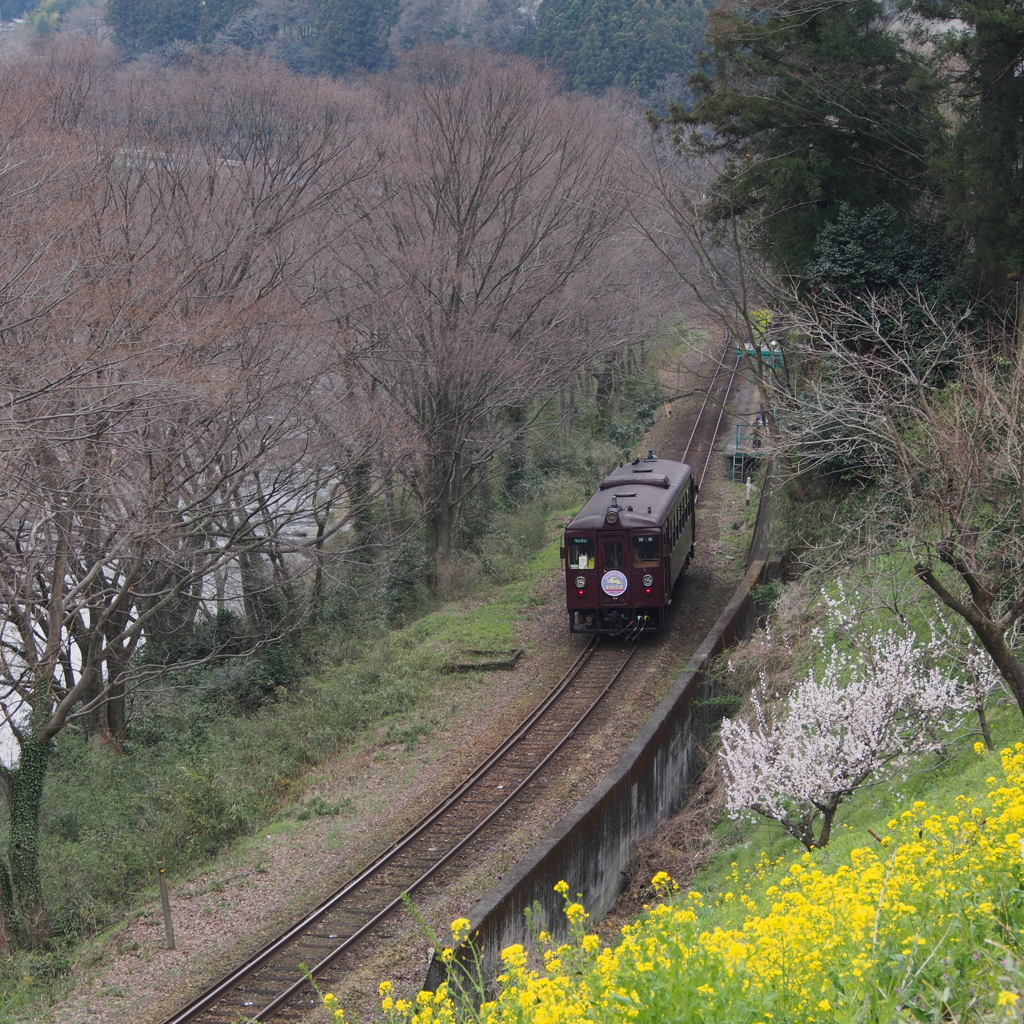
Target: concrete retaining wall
<point>591,847</point>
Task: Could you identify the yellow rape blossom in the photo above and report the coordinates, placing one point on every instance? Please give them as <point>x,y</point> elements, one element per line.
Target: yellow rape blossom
<point>813,946</point>
<point>576,913</point>
<point>514,956</point>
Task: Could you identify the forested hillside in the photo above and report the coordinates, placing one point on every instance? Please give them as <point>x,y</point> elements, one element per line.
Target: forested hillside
<point>594,44</point>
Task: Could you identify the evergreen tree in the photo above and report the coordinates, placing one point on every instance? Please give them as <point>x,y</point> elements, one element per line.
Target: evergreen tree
<point>879,251</point>
<point>140,25</point>
<point>215,15</point>
<point>888,270</point>
<point>353,34</point>
<point>984,168</point>
<point>593,62</point>
<point>19,8</point>
<point>503,25</point>
<point>811,105</point>
<point>631,44</point>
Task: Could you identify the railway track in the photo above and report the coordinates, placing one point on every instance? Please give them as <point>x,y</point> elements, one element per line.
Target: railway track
<point>708,424</point>
<point>273,984</point>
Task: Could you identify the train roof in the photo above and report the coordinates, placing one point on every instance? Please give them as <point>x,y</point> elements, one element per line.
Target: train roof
<point>644,490</point>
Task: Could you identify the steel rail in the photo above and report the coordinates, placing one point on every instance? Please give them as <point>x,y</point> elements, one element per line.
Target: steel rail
<point>721,403</point>
<point>206,1002</point>
<point>718,422</point>
<point>333,956</point>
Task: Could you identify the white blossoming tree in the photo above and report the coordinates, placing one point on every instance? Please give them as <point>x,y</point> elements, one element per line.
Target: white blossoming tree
<point>796,759</point>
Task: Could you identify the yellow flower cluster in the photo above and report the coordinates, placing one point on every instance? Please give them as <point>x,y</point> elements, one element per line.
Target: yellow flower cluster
<point>925,925</point>
<point>331,1002</point>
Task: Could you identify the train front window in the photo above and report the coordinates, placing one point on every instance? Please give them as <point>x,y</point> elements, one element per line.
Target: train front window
<point>581,553</point>
<point>645,552</point>
<point>613,554</point>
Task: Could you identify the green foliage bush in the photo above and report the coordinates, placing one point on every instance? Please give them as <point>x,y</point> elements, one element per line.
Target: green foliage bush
<point>625,422</point>
<point>381,584</point>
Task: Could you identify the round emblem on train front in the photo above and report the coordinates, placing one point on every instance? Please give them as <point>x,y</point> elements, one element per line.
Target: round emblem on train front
<point>614,583</point>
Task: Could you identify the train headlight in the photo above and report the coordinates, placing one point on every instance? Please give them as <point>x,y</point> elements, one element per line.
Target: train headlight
<point>611,516</point>
<point>581,581</point>
<point>648,580</point>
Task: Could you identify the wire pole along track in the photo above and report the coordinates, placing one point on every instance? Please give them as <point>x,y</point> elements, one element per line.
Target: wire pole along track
<point>272,985</point>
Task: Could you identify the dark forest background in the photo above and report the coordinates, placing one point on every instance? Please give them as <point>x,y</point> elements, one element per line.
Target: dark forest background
<point>645,46</point>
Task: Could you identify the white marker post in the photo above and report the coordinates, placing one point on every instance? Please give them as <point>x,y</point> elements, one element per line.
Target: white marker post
<point>168,927</point>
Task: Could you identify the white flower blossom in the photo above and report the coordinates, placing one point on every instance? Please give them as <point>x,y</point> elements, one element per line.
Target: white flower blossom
<point>795,760</point>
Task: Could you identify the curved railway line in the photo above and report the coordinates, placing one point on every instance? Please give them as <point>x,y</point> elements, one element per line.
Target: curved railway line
<point>273,985</point>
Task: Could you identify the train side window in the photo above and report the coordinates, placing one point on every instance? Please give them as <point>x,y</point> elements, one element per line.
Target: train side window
<point>581,553</point>
<point>613,554</point>
<point>645,552</point>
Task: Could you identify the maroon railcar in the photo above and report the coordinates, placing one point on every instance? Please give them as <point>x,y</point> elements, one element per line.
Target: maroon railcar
<point>625,549</point>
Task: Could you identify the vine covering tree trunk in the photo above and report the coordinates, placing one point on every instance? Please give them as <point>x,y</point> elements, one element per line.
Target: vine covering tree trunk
<point>23,789</point>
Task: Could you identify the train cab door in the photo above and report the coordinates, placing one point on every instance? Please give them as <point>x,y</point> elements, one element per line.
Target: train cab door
<point>612,555</point>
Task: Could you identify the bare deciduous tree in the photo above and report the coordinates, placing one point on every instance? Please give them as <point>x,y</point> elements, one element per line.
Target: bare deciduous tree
<point>906,395</point>
<point>666,205</point>
<point>166,414</point>
<point>464,288</point>
<point>667,197</point>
